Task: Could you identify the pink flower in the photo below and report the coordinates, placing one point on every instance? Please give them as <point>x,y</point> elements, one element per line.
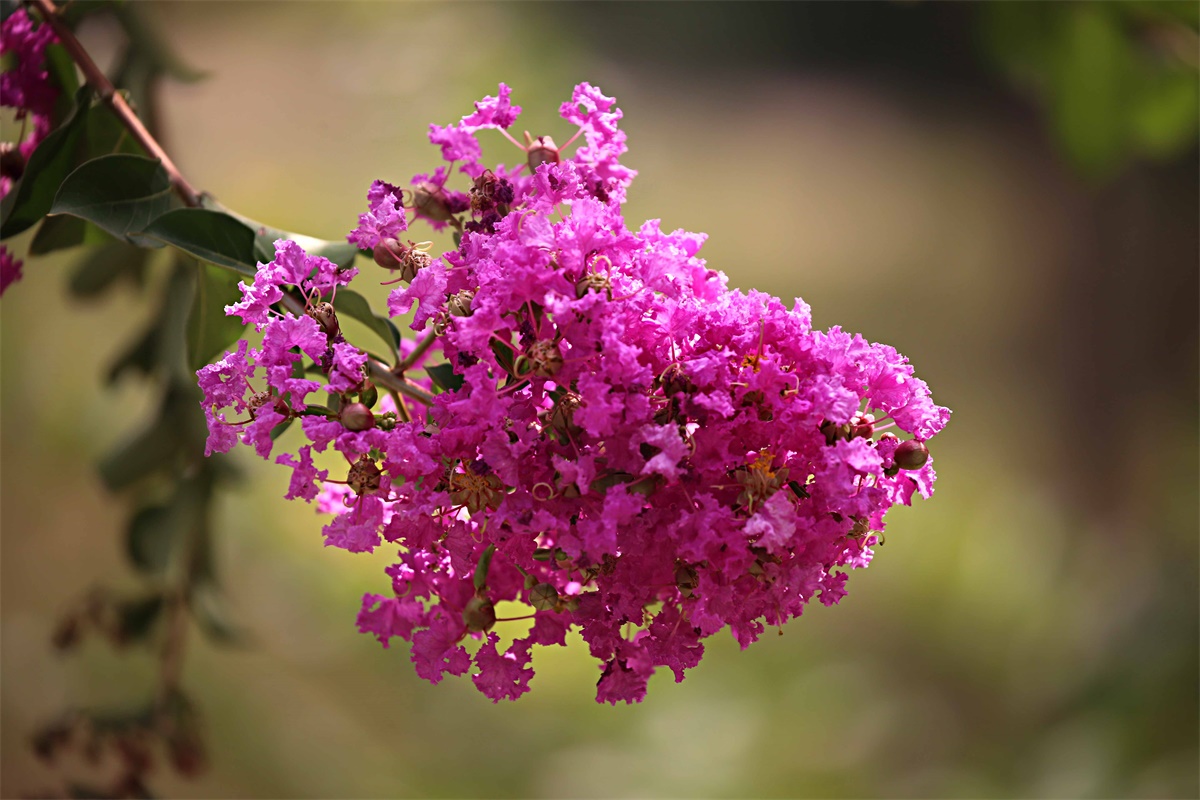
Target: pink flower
<point>10,269</point>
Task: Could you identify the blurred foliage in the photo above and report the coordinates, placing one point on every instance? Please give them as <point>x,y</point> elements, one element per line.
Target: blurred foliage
<point>1119,79</point>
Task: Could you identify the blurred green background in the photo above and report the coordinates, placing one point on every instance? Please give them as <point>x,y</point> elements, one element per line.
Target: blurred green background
<point>1005,216</point>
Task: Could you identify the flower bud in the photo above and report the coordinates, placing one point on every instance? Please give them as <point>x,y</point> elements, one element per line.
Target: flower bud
<point>369,394</point>
<point>911,454</point>
<point>862,427</point>
<point>387,421</point>
<point>389,253</point>
<point>543,597</point>
<point>479,615</point>
<point>357,417</point>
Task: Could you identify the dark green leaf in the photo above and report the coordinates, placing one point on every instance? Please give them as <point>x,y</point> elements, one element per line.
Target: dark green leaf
<point>149,450</point>
<point>31,198</point>
<point>63,75</point>
<point>140,356</point>
<point>105,266</point>
<point>445,378</point>
<point>505,355</point>
<point>355,306</point>
<point>210,330</point>
<point>63,232</point>
<point>150,539</point>
<point>211,236</point>
<point>107,135</point>
<point>481,569</point>
<point>209,607</point>
<point>137,617</point>
<point>281,428</point>
<point>120,193</point>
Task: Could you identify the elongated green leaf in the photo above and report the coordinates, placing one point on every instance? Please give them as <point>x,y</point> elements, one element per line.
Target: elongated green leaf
<point>63,232</point>
<point>210,331</point>
<point>48,167</point>
<point>105,266</point>
<point>149,450</point>
<point>211,236</point>
<point>120,193</point>
<point>355,306</point>
<point>63,75</point>
<point>445,378</point>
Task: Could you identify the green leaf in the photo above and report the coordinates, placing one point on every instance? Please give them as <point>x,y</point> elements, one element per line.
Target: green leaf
<point>355,306</point>
<point>445,378</point>
<point>63,232</point>
<point>63,75</point>
<point>32,197</point>
<point>209,607</point>
<point>210,331</point>
<point>120,193</point>
<point>481,569</point>
<point>281,428</point>
<point>107,135</point>
<point>141,355</point>
<point>105,266</point>
<point>156,531</point>
<point>147,451</point>
<point>136,617</point>
<point>1163,115</point>
<point>209,235</point>
<point>1089,88</point>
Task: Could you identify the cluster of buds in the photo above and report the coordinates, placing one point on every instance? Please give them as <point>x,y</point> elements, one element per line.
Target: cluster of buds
<point>621,442</point>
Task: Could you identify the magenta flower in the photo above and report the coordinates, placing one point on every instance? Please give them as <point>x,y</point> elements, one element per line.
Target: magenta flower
<point>629,448</point>
<point>26,87</point>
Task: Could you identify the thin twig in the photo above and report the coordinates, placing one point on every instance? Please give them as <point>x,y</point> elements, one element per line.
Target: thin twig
<point>115,100</point>
<point>421,349</point>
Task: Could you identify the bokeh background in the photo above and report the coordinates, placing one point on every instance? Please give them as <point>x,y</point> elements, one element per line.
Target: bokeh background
<point>918,172</point>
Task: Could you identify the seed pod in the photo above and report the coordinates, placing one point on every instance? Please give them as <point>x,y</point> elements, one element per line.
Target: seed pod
<point>562,416</point>
<point>545,357</point>
<point>911,454</point>
<point>459,304</point>
<point>541,151</point>
<point>364,476</point>
<point>430,201</point>
<point>357,417</point>
<point>414,261</point>
<point>479,615</point>
<point>593,281</point>
<point>326,317</point>
<point>543,597</point>
<point>687,579</point>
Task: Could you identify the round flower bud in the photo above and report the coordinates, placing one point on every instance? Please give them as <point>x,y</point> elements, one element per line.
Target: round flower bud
<point>388,253</point>
<point>862,427</point>
<point>543,597</point>
<point>357,417</point>
<point>911,454</point>
<point>479,615</point>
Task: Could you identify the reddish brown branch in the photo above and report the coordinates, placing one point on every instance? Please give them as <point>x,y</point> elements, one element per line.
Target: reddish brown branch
<point>115,100</point>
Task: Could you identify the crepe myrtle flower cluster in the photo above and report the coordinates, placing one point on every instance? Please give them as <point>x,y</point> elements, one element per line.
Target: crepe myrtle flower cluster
<point>623,444</point>
<point>25,86</point>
